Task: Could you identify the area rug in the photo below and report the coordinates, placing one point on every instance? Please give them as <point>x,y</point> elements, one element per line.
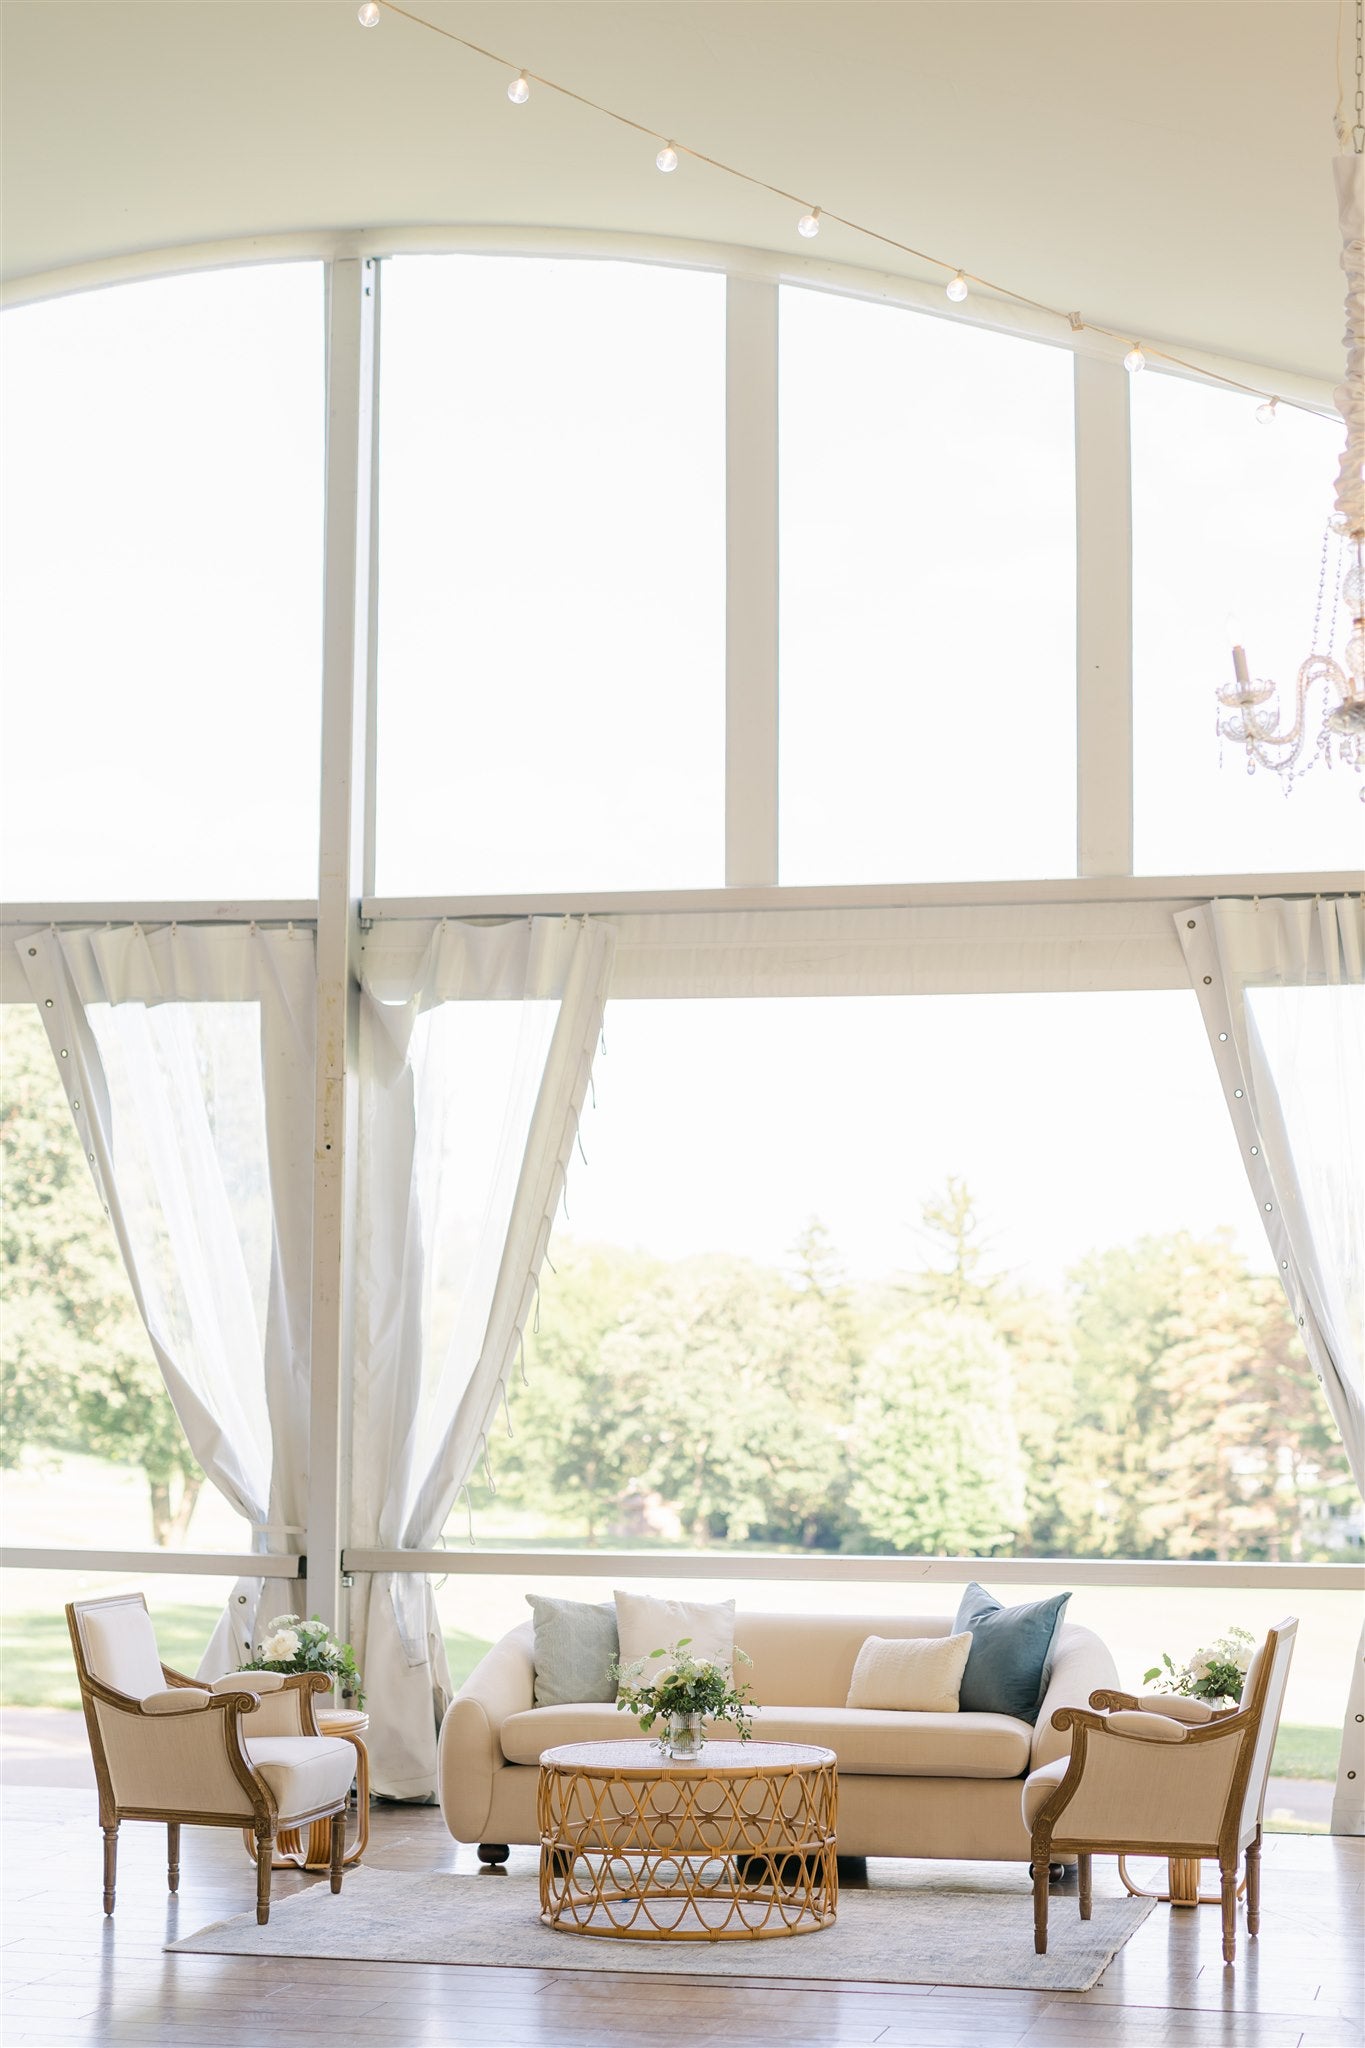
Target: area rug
<point>888,1934</point>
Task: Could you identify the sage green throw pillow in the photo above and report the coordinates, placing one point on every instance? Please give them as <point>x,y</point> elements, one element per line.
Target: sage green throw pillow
<point>575,1650</point>
<point>1010,1660</point>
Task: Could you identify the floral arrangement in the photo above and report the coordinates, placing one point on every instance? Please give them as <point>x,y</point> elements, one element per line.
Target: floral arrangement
<point>690,1685</point>
<point>294,1645</point>
<point>1215,1673</point>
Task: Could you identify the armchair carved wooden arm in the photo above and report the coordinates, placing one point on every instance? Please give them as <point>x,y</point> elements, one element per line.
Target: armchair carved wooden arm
<point>1162,1776</point>
<point>244,1752</point>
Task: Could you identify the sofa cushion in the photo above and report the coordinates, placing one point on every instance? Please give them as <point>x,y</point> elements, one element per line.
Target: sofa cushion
<point>575,1649</point>
<point>867,1744</point>
<point>304,1772</point>
<point>1011,1655</point>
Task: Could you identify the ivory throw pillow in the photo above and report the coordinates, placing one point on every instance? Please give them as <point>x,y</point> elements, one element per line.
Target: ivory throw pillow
<point>912,1675</point>
<point>645,1623</point>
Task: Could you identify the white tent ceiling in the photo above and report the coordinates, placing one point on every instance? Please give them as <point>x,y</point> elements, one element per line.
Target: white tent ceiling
<point>1164,166</point>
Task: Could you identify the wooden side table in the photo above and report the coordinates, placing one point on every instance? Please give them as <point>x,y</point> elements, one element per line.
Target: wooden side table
<point>297,1850</point>
<point>1183,1873</point>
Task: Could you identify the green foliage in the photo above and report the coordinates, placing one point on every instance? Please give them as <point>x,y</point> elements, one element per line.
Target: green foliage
<point>288,1644</point>
<point>76,1369</point>
<point>1215,1673</point>
<point>690,1685</point>
<point>936,1450</point>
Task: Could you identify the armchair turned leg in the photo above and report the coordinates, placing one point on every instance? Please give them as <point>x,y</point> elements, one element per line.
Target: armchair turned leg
<point>265,1858</point>
<point>173,1855</point>
<point>1229,1889</point>
<point>1083,1866</point>
<point>1254,1885</point>
<point>1040,1872</point>
<point>337,1848</point>
<point>110,1865</point>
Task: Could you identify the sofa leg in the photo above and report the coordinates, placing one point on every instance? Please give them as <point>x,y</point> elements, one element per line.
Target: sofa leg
<point>494,1853</point>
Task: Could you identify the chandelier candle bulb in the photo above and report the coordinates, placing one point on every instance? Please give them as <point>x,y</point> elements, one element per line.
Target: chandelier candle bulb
<point>519,91</point>
<point>1239,665</point>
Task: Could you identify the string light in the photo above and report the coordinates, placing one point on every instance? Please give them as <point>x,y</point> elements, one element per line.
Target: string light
<point>1266,413</point>
<point>519,91</point>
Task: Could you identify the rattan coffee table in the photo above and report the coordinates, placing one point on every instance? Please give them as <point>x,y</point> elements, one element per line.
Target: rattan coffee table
<point>734,1845</point>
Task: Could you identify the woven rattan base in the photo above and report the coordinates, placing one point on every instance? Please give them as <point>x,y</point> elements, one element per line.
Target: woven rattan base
<point>735,1845</point>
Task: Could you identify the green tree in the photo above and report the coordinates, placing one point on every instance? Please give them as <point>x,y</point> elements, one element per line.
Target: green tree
<point>937,1465</point>
<point>76,1370</point>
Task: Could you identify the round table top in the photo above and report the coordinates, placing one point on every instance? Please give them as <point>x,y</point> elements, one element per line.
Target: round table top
<point>342,1720</point>
<point>718,1759</point>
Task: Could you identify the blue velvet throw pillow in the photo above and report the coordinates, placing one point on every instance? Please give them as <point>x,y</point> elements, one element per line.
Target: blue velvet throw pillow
<point>575,1650</point>
<point>1011,1655</point>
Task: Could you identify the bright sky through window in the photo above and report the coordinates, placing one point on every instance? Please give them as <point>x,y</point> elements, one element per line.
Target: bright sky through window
<point>162,531</point>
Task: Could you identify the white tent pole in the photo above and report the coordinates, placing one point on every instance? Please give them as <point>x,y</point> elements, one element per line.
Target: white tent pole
<point>352,299</point>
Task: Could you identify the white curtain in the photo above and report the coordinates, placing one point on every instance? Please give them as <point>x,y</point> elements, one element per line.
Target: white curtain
<point>186,1053</point>
<point>1282,988</point>
<point>476,1049</point>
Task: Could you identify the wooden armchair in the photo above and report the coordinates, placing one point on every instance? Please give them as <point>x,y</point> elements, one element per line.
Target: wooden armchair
<point>1162,1776</point>
<point>242,1753</point>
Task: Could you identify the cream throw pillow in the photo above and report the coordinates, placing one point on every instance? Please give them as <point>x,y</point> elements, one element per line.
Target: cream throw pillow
<point>915,1675</point>
<point>645,1623</point>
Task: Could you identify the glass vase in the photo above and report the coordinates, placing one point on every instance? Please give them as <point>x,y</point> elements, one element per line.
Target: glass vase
<point>684,1739</point>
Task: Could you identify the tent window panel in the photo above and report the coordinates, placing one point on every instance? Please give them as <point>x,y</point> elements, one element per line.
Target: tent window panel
<point>552,581</point>
<point>162,555</point>
<point>1228,520</point>
<point>928,596</point>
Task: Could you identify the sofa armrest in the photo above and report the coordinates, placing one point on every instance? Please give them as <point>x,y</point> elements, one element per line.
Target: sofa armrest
<point>502,1684</point>
<point>1081,1665</point>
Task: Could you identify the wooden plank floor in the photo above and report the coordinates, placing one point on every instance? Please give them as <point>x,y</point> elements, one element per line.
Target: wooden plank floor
<point>71,1977</point>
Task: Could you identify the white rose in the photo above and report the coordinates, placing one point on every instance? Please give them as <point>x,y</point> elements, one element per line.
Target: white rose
<point>1242,1659</point>
<point>281,1647</point>
<point>1199,1664</point>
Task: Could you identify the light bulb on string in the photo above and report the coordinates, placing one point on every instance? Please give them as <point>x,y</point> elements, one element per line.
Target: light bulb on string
<point>1135,360</point>
<point>1265,414</point>
<point>368,16</point>
<point>809,223</point>
<point>956,288</point>
<point>667,159</point>
<point>519,91</point>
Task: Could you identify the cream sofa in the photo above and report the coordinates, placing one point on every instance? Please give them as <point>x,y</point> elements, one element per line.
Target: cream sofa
<point>909,1784</point>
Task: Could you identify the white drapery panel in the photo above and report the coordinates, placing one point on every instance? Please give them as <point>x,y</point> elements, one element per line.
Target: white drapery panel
<point>476,1052</point>
<point>186,1053</point>
<point>1281,984</point>
<point>990,948</point>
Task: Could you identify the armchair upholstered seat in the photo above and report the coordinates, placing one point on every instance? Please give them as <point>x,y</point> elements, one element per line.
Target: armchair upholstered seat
<point>244,1752</point>
<point>1162,1776</point>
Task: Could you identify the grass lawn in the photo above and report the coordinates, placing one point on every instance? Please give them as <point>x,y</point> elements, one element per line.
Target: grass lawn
<point>35,1652</point>
<point>36,1671</point>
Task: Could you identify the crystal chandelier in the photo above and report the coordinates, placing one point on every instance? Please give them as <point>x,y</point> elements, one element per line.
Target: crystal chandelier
<point>1250,712</point>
